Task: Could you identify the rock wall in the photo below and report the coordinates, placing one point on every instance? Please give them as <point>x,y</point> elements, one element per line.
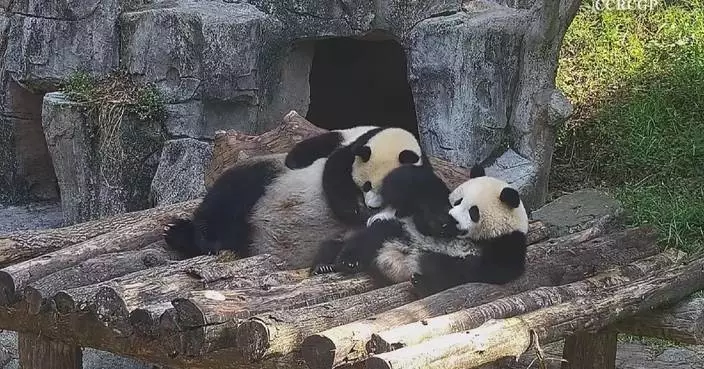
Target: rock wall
<point>481,72</point>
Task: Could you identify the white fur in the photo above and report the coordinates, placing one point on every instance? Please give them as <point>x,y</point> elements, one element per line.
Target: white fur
<point>495,217</point>
<point>385,214</point>
<point>397,261</point>
<point>349,135</point>
<point>385,148</point>
<point>292,217</point>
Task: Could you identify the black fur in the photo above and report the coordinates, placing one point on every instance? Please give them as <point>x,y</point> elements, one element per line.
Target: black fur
<point>411,190</point>
<point>221,221</point>
<point>408,157</point>
<point>510,197</point>
<point>477,171</point>
<point>308,151</point>
<point>344,198</point>
<point>500,261</point>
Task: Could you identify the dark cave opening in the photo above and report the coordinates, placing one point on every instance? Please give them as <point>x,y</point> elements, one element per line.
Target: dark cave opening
<point>360,82</point>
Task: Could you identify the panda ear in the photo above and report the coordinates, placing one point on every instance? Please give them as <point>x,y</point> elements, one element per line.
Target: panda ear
<point>476,171</point>
<point>510,197</point>
<point>363,152</point>
<point>408,157</point>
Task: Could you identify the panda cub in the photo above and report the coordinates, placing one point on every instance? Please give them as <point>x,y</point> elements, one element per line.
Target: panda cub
<point>485,241</point>
<point>262,206</point>
<point>371,152</point>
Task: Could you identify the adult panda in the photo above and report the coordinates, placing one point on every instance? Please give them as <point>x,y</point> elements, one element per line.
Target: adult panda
<point>262,206</point>
<point>358,159</point>
<point>485,241</point>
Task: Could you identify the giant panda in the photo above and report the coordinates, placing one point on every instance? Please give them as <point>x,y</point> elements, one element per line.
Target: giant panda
<point>262,206</point>
<point>358,159</point>
<point>484,242</point>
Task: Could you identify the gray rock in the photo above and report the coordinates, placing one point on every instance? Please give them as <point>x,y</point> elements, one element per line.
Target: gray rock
<point>31,216</point>
<point>518,171</point>
<point>103,168</point>
<point>181,172</point>
<point>577,211</point>
<point>47,42</point>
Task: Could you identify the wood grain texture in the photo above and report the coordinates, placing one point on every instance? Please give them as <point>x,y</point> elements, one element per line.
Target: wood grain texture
<point>588,314</point>
<point>37,352</point>
<point>553,262</point>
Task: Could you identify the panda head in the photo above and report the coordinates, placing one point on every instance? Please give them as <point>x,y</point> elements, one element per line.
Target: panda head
<point>487,207</point>
<point>383,152</point>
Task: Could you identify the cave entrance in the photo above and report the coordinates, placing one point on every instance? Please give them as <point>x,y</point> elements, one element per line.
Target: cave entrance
<point>360,82</point>
<point>35,174</point>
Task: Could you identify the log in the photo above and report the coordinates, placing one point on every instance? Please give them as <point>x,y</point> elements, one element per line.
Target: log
<point>14,278</point>
<point>19,246</point>
<point>280,333</point>
<point>590,351</point>
<point>586,314</point>
<point>682,323</point>
<point>550,263</point>
<point>92,271</point>
<point>203,313</point>
<point>232,146</point>
<point>417,332</point>
<point>113,301</point>
<point>37,352</point>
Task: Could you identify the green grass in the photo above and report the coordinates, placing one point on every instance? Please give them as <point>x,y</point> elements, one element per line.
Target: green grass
<point>636,79</point>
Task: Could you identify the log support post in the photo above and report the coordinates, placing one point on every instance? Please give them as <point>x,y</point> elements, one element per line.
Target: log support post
<point>37,352</point>
<point>590,351</point>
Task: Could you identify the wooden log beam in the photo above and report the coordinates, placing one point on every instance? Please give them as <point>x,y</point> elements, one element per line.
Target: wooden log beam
<point>280,333</point>
<point>37,352</point>
<point>113,301</point>
<point>14,278</point>
<point>682,323</point>
<point>207,315</point>
<point>417,332</point>
<point>92,271</point>
<point>590,350</point>
<point>24,245</point>
<point>480,346</point>
<point>554,262</point>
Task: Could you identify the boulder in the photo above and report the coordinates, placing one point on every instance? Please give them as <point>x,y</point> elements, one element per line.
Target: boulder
<point>103,167</point>
<point>181,172</point>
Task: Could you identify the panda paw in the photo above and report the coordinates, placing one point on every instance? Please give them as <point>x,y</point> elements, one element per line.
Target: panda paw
<point>385,214</point>
<point>323,269</point>
<point>420,285</point>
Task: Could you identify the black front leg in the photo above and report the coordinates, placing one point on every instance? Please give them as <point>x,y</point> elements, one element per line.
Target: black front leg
<point>324,261</point>
<point>312,149</point>
<point>342,194</point>
<point>359,251</point>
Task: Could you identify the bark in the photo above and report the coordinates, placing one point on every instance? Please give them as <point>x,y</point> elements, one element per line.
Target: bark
<point>590,351</point>
<point>588,314</point>
<point>417,332</point>
<point>682,323</point>
<point>37,352</point>
<point>24,245</point>
<point>92,271</point>
<point>14,278</point>
<point>207,316</point>
<point>554,262</point>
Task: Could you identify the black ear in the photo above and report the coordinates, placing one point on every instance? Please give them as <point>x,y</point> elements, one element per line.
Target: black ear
<point>510,197</point>
<point>408,157</point>
<point>363,152</point>
<point>476,171</point>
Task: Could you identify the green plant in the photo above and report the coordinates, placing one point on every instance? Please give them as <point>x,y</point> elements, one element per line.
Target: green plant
<point>637,82</point>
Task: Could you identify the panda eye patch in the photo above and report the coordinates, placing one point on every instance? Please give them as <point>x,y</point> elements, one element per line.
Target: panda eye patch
<point>474,213</point>
<point>367,186</point>
<point>457,202</point>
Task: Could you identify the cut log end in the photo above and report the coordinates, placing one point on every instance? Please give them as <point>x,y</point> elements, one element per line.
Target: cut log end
<point>189,314</point>
<point>318,351</point>
<point>7,289</point>
<point>65,303</point>
<point>34,300</point>
<point>252,338</point>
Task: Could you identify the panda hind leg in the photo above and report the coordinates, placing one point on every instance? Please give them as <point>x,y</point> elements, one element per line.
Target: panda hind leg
<point>438,272</point>
<point>324,261</point>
